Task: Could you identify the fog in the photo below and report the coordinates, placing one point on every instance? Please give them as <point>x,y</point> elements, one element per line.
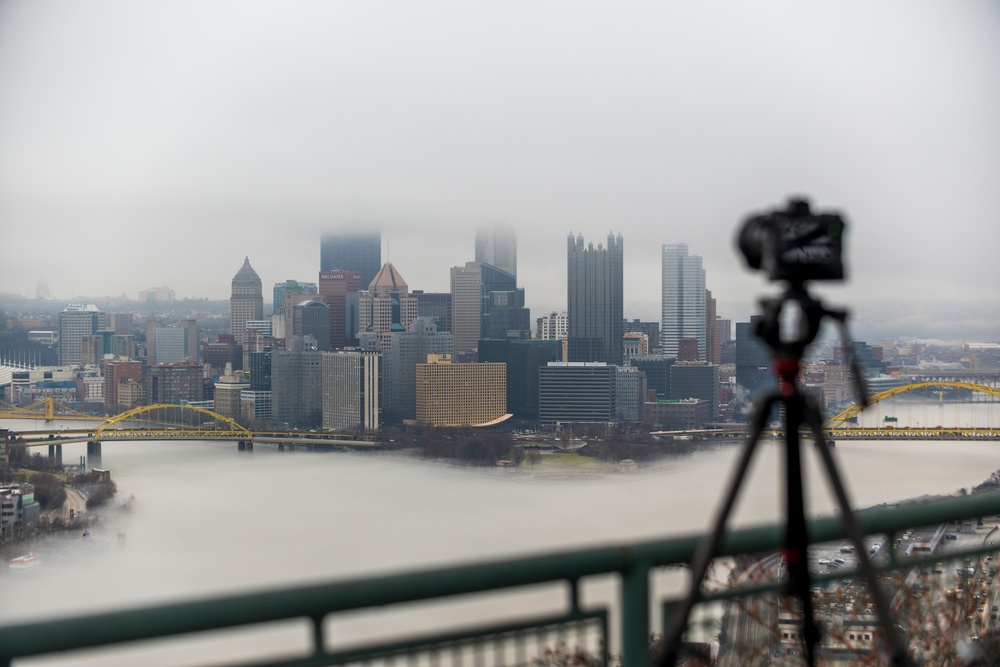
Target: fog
<point>207,520</point>
<point>176,140</point>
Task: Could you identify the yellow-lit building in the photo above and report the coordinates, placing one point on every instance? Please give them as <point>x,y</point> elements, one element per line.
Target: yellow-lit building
<point>460,394</point>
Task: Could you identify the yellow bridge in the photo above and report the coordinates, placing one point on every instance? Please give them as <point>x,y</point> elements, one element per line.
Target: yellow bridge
<point>165,422</point>
<point>843,425</point>
<point>186,422</point>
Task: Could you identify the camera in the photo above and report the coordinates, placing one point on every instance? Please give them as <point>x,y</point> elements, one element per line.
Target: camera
<point>794,244</point>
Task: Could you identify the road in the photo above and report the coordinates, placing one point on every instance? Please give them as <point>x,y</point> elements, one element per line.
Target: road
<point>76,502</point>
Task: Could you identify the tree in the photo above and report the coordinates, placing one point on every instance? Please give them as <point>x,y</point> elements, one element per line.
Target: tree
<point>516,455</point>
<point>534,458</point>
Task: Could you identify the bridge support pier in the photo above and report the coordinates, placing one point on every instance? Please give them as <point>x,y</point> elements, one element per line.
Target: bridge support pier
<point>93,454</point>
<point>281,447</point>
<point>55,454</point>
<point>244,445</point>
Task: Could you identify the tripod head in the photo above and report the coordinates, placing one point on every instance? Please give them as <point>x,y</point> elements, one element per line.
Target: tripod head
<point>787,352</point>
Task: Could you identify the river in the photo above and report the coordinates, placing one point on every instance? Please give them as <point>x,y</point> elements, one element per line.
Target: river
<point>208,520</point>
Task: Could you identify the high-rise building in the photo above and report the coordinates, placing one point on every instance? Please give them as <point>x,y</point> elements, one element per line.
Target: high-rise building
<point>630,393</point>
<point>466,306</point>
<point>386,307</point>
<point>116,373</point>
<point>334,288</point>
<point>296,388</point>
<point>352,390</point>
<point>577,392</point>
<point>713,344</point>
<point>227,399</point>
<point>75,322</point>
<point>753,361</point>
<point>123,324</point>
<point>725,328</point>
<point>255,406</point>
<point>650,329</point>
<point>657,370</point>
<point>312,318</point>
<point>635,344</point>
<point>169,345</point>
<point>246,302</point>
<point>687,350</point>
<point>174,383</point>
<point>191,351</point>
<point>551,326</point>
<point>485,304</point>
<point>407,349</point>
<point>594,301</point>
<point>260,370</point>
<point>496,245</point>
<point>436,305</point>
<point>294,286</point>
<point>503,311</point>
<point>683,299</point>
<point>523,357</point>
<point>357,251</point>
<point>223,352</point>
<point>696,379</point>
<point>460,394</point>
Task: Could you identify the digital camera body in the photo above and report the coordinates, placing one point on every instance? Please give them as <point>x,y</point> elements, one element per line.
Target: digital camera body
<point>794,244</point>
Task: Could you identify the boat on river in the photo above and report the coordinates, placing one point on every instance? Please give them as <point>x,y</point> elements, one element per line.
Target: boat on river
<point>25,562</point>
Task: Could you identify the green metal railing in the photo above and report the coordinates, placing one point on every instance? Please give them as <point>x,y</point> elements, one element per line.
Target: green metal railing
<point>510,642</point>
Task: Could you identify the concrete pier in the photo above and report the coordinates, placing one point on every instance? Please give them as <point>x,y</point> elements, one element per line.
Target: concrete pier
<point>55,454</point>
<point>93,454</point>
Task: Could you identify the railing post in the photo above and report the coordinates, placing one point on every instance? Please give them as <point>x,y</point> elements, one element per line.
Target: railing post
<point>635,615</point>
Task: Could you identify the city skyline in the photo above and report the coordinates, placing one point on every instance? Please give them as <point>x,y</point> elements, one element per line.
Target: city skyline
<point>683,122</point>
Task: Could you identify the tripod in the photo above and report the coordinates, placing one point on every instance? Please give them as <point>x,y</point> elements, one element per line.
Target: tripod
<point>800,409</point>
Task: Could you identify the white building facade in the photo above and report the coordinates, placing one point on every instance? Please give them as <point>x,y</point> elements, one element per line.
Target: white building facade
<point>683,299</point>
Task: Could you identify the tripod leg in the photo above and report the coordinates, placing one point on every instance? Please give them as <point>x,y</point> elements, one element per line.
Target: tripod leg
<point>710,544</point>
<point>894,638</point>
<point>796,538</point>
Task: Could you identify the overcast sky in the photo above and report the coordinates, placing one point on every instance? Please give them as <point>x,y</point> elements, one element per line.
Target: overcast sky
<point>148,144</point>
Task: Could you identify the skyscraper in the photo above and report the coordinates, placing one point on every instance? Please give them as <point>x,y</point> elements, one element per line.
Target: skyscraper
<point>713,345</point>
<point>357,251</point>
<point>280,289</point>
<point>594,301</point>
<point>246,302</point>
<point>386,307</point>
<point>523,357</point>
<point>496,245</point>
<point>352,390</point>
<point>485,303</point>
<point>76,322</point>
<point>334,288</point>
<point>297,388</point>
<point>683,300</point>
<point>409,348</point>
<point>312,318</point>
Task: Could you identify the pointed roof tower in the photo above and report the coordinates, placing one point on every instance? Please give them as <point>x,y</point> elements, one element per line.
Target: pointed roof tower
<point>388,280</point>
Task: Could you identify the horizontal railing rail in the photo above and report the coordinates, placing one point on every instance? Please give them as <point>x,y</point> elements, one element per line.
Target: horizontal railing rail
<point>633,562</point>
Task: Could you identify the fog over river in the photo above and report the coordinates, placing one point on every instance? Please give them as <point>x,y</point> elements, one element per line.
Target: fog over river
<point>208,520</point>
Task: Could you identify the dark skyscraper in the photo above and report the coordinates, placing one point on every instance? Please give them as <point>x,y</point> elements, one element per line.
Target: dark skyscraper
<point>753,360</point>
<point>523,357</point>
<point>594,301</point>
<point>359,251</point>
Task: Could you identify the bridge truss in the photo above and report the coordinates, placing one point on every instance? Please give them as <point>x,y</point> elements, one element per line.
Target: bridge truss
<point>840,424</point>
<point>174,422</point>
<point>46,408</point>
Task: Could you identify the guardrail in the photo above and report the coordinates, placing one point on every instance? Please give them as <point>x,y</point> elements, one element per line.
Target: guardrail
<point>519,642</point>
